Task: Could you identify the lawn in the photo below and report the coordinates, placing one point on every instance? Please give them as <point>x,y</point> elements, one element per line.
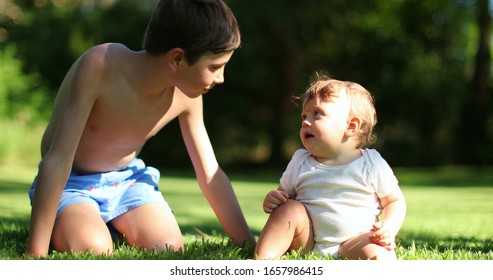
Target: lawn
<point>450,215</point>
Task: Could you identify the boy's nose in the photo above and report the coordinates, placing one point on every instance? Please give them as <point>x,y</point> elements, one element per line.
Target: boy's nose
<point>219,79</point>
<point>305,123</point>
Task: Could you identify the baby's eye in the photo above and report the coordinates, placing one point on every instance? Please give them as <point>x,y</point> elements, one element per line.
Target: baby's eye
<point>303,117</point>
<point>317,113</point>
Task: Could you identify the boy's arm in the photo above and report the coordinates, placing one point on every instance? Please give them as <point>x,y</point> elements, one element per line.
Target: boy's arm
<point>213,182</point>
<point>56,164</point>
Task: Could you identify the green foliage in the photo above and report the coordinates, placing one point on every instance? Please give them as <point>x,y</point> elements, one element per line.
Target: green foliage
<point>64,32</point>
<point>23,111</point>
<point>414,56</point>
<point>21,95</point>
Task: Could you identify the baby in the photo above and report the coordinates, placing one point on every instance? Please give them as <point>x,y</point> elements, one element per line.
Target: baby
<point>336,197</point>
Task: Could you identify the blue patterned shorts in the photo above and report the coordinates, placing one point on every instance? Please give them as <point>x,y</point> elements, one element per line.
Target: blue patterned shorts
<point>115,192</point>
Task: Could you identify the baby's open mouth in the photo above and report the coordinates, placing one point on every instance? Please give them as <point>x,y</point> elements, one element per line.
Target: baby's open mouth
<point>308,136</point>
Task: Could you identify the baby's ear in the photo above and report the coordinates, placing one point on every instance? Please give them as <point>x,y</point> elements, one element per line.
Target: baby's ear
<point>354,125</point>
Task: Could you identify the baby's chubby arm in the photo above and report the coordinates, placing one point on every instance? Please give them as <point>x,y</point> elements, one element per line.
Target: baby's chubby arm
<point>392,218</point>
<point>275,198</point>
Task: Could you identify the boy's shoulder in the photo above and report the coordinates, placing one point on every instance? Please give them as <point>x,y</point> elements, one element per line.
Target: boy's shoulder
<point>109,48</point>
<point>104,59</point>
<point>106,52</point>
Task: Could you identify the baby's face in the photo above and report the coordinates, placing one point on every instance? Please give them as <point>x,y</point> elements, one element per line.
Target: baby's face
<point>324,125</point>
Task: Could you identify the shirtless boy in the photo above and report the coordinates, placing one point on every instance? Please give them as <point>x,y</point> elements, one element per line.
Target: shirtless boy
<point>110,103</point>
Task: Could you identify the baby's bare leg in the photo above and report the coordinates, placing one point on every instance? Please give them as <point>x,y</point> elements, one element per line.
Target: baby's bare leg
<point>288,228</point>
<point>361,248</point>
<point>151,226</point>
<point>80,228</point>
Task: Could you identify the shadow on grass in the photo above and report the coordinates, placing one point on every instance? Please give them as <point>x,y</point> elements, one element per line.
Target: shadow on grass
<point>205,230</point>
<point>13,187</point>
<point>13,237</point>
<point>441,244</point>
<point>446,176</point>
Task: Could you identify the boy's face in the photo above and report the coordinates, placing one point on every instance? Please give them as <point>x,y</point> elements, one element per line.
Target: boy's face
<point>324,125</point>
<point>199,78</point>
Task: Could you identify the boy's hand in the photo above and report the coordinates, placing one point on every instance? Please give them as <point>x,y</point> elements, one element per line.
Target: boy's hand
<point>273,199</point>
<point>382,236</point>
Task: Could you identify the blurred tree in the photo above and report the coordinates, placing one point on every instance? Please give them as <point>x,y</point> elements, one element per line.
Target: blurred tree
<point>21,96</point>
<point>416,57</point>
<point>410,54</point>
<point>474,145</point>
<point>52,34</point>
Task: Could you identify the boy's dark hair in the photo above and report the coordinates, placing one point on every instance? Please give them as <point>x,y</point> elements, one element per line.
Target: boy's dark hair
<point>196,26</point>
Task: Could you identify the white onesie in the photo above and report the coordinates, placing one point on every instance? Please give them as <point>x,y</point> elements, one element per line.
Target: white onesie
<point>342,200</point>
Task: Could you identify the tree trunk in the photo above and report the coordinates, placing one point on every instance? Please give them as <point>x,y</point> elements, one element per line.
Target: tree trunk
<point>473,133</point>
<point>289,69</point>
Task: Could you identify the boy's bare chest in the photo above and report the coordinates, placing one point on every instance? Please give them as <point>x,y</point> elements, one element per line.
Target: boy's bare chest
<point>129,119</point>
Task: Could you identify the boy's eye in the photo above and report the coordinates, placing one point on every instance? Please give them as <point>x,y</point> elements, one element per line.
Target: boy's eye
<point>317,113</point>
<point>215,67</point>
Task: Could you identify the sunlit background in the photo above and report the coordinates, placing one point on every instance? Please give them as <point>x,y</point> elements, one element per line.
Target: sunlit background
<point>426,62</point>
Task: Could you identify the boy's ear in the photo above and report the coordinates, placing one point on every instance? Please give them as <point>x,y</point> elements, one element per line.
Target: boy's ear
<point>354,125</point>
<point>176,57</point>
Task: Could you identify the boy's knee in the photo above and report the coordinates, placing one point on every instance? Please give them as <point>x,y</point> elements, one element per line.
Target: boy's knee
<point>102,250</point>
<point>97,246</point>
<point>174,244</point>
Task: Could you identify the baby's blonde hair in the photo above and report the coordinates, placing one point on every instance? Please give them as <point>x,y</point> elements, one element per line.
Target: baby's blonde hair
<point>361,103</point>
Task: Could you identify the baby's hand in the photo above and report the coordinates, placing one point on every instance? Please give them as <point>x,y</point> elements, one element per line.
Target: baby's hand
<point>273,199</point>
<point>382,236</point>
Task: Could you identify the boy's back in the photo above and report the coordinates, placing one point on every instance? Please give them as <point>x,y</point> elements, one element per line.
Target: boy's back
<point>125,112</point>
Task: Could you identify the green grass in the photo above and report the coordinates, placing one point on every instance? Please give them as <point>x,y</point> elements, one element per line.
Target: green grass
<point>450,216</point>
